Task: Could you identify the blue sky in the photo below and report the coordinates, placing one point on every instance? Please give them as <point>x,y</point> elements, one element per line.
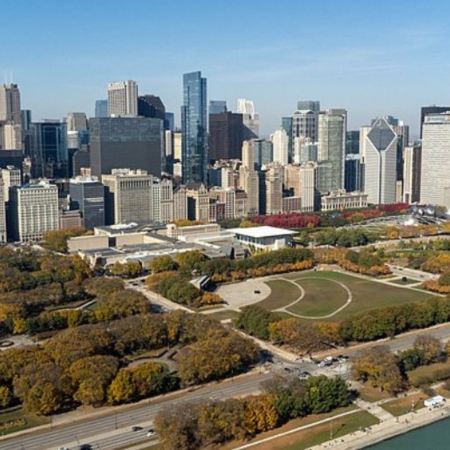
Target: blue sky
<point>382,57</point>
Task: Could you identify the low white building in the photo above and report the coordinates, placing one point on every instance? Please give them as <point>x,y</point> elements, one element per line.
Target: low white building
<point>341,199</point>
<point>265,237</point>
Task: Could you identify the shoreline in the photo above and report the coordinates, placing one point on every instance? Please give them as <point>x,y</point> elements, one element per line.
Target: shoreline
<point>387,430</point>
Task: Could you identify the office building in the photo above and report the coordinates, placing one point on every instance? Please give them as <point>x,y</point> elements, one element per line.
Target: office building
<point>305,120</point>
<point>225,135</point>
<point>286,124</point>
<point>49,152</point>
<point>169,121</point>
<point>354,173</point>
<point>11,136</point>
<point>194,128</point>
<point>180,204</point>
<point>129,197</point>
<point>87,194</point>
<point>352,143</point>
<point>430,110</point>
<point>132,142</point>
<point>151,106</point>
<point>3,234</point>
<point>435,177</point>
<point>304,150</point>
<point>250,118</point>
<point>177,146</point>
<point>123,98</point>
<point>76,121</point>
<point>308,186</point>
<point>33,211</point>
<point>412,166</point>
<point>280,142</point>
<point>263,152</point>
<point>379,150</point>
<point>197,202</point>
<point>331,149</point>
<point>11,176</point>
<point>101,109</point>
<point>10,104</point>
<point>217,106</point>
<point>274,189</point>
<point>249,183</point>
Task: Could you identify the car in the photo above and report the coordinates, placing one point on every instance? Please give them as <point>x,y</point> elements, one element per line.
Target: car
<point>85,447</point>
<point>151,432</point>
<point>287,369</point>
<point>136,428</point>
<point>63,448</point>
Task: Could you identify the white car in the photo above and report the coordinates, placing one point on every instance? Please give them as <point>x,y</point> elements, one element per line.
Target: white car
<point>151,432</point>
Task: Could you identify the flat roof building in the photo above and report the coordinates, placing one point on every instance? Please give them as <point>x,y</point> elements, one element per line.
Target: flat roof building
<point>265,237</point>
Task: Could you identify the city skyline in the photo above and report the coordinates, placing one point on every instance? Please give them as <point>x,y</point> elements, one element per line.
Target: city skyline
<point>363,60</point>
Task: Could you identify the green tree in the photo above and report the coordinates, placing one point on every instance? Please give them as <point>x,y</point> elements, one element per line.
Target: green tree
<point>163,264</point>
<point>256,320</point>
<point>130,269</point>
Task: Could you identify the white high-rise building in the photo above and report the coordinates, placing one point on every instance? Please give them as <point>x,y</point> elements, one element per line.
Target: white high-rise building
<point>33,211</point>
<point>11,176</point>
<point>280,141</point>
<point>308,186</point>
<point>10,104</point>
<point>250,118</point>
<point>123,98</point>
<point>76,121</point>
<point>379,148</point>
<point>435,177</point>
<point>274,189</point>
<point>12,136</point>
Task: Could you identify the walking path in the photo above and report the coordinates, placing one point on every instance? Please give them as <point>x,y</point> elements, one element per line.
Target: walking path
<point>373,408</point>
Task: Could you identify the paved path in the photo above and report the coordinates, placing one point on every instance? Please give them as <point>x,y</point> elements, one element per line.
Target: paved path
<point>380,413</point>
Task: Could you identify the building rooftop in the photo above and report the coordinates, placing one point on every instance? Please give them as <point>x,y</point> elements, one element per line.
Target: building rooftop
<point>262,232</point>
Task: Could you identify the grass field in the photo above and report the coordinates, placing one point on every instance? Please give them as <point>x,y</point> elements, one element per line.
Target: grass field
<point>224,314</point>
<point>404,405</point>
<point>323,295</point>
<point>320,298</point>
<point>27,420</point>
<point>408,281</point>
<point>283,293</point>
<point>432,372</point>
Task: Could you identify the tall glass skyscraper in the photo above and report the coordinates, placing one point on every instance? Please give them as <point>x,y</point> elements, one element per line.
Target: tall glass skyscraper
<point>101,108</point>
<point>194,127</point>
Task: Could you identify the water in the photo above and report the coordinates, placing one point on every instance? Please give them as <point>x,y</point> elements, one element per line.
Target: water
<point>435,436</point>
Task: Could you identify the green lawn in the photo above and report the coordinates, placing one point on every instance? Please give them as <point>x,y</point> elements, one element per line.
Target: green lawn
<point>30,420</point>
<point>371,394</point>
<point>404,405</point>
<point>283,293</point>
<point>322,297</point>
<point>367,294</point>
<point>408,281</point>
<point>338,428</point>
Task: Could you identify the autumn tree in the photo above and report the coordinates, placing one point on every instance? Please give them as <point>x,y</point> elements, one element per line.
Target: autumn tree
<point>56,240</point>
<point>378,366</point>
<point>163,263</point>
<point>103,286</point>
<point>189,261</point>
<point>129,269</point>
<point>430,348</point>
<point>260,414</point>
<point>5,397</point>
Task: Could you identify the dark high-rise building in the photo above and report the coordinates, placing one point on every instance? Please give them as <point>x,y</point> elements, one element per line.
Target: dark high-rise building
<point>217,106</point>
<point>101,108</point>
<point>48,149</point>
<point>151,106</point>
<point>432,109</point>
<point>354,173</point>
<point>88,195</point>
<point>169,122</point>
<point>263,152</point>
<point>352,143</point>
<point>194,128</point>
<point>126,142</point>
<point>80,159</point>
<point>225,135</point>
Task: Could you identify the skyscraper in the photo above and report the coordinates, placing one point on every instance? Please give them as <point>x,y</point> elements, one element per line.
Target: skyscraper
<point>379,150</point>
<point>123,98</point>
<point>10,104</point>
<point>274,189</point>
<point>427,110</point>
<point>286,124</point>
<point>11,176</point>
<point>194,128</point>
<point>352,142</point>
<point>132,142</point>
<point>101,108</point>
<point>76,121</point>
<point>217,106</point>
<point>435,179</point>
<point>49,149</point>
<point>225,135</point>
<point>88,195</point>
<point>412,167</point>
<point>313,105</point>
<point>332,140</point>
<point>304,123</point>
<point>250,118</point>
<point>280,141</point>
<point>3,235</point>
<point>151,106</point>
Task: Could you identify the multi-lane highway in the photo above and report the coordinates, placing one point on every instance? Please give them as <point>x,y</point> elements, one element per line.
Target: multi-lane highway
<point>113,430</point>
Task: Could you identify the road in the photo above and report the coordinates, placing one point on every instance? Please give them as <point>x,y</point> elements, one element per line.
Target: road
<point>412,273</point>
<point>114,429</point>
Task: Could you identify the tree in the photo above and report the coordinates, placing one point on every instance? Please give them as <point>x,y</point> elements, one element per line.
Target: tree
<point>57,240</point>
<point>121,304</point>
<point>129,269</point>
<point>5,397</point>
<point>430,347</point>
<point>190,261</point>
<point>256,320</point>
<point>324,394</point>
<point>260,414</point>
<point>163,264</point>
<point>103,286</point>
<point>122,389</point>
<point>379,367</point>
